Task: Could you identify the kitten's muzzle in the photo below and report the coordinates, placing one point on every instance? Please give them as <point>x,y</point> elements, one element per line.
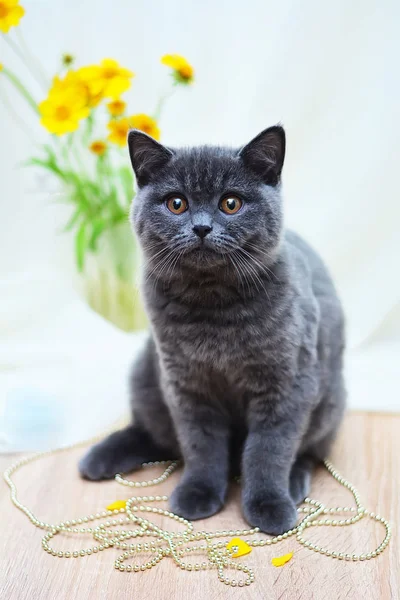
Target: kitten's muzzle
<point>202,230</point>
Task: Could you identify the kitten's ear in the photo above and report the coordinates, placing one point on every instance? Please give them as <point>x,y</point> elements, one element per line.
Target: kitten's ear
<point>265,154</point>
<point>147,155</point>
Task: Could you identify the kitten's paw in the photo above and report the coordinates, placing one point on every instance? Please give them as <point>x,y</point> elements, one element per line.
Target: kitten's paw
<point>99,463</point>
<point>195,500</point>
<point>121,452</point>
<point>93,466</point>
<point>299,485</point>
<point>300,478</point>
<point>271,515</point>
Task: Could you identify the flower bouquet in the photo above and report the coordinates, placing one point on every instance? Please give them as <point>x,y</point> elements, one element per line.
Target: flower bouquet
<point>88,120</point>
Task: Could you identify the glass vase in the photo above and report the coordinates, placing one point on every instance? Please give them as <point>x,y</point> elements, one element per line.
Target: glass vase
<point>110,279</point>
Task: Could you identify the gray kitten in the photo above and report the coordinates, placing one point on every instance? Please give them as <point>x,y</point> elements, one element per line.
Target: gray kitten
<point>242,371</point>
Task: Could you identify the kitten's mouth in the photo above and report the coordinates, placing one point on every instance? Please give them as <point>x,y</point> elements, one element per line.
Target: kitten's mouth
<point>207,248</point>
<point>208,256</point>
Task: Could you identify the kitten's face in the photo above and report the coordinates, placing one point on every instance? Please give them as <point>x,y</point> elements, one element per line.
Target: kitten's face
<point>206,206</point>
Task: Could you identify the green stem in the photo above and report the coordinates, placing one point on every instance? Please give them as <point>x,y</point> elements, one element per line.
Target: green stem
<point>162,101</point>
<point>76,152</point>
<point>20,122</point>
<point>100,170</point>
<point>21,88</point>
<point>71,155</point>
<point>88,130</point>
<point>65,148</point>
<point>31,58</point>
<point>110,175</point>
<point>13,46</point>
<point>22,57</point>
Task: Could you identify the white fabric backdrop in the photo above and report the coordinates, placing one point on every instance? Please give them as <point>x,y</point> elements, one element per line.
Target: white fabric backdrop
<point>328,71</point>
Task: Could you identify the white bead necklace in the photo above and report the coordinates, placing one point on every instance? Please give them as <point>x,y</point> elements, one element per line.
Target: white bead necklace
<point>174,544</point>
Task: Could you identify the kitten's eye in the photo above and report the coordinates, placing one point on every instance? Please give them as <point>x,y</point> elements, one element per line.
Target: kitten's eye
<point>177,205</point>
<point>230,205</point>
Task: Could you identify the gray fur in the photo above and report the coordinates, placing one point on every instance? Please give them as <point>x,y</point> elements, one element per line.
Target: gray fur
<point>242,371</point>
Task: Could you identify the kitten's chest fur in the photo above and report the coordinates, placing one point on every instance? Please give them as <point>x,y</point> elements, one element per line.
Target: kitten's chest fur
<point>213,345</point>
<point>214,336</point>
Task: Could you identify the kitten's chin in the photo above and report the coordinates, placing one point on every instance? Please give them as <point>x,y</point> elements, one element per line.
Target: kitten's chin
<point>208,247</point>
<point>204,256</point>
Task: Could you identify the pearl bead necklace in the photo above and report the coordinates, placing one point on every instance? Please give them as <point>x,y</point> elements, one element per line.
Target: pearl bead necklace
<point>174,544</point>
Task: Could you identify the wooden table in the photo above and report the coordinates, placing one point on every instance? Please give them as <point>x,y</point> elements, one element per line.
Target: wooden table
<point>367,453</point>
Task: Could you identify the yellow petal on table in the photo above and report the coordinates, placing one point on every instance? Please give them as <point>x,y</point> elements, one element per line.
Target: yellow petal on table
<point>238,547</point>
<point>279,561</point>
<point>117,505</point>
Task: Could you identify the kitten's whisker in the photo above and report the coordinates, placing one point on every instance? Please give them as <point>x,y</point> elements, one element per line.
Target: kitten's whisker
<point>253,259</point>
<point>255,277</point>
<point>166,265</point>
<point>175,262</point>
<point>172,265</point>
<point>159,264</point>
<point>242,264</point>
<point>264,253</point>
<point>260,250</point>
<point>159,252</point>
<point>239,273</point>
<point>246,264</point>
<point>256,274</point>
<point>149,247</point>
<point>257,262</point>
<point>165,268</point>
<point>249,271</point>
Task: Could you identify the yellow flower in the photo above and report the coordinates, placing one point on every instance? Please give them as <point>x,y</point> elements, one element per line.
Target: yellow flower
<point>70,83</point>
<point>61,112</point>
<point>110,79</point>
<point>10,14</point>
<point>98,147</point>
<point>116,79</point>
<point>93,82</point>
<point>182,69</point>
<point>119,128</point>
<point>1,66</point>
<point>146,124</point>
<point>88,77</point>
<point>116,108</point>
<point>89,91</point>
<point>119,131</point>
<point>92,88</point>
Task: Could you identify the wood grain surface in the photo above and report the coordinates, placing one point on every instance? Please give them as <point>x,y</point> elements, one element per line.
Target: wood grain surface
<point>367,453</point>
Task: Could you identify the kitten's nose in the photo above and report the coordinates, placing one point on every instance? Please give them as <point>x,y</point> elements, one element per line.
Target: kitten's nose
<point>202,230</point>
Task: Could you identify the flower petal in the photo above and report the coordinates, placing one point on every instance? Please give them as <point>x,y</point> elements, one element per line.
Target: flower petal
<point>241,548</point>
<point>279,561</point>
<point>117,505</point>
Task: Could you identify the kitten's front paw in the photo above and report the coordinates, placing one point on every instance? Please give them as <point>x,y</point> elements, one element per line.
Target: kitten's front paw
<point>97,464</point>
<point>195,500</point>
<point>300,483</point>
<point>103,462</point>
<point>271,515</point>
<point>121,452</point>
